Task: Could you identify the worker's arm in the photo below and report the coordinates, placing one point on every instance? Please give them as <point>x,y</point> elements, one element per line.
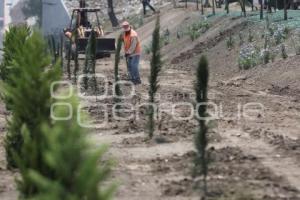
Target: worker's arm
<point>134,42</point>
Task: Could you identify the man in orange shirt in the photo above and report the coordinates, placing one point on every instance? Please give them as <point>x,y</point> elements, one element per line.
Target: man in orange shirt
<point>133,50</point>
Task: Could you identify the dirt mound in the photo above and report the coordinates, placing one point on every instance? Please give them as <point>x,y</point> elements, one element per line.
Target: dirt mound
<point>208,43</point>
<point>228,168</point>
<point>279,78</point>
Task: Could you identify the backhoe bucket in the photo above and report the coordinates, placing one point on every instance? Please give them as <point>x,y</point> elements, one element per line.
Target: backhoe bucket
<point>103,45</point>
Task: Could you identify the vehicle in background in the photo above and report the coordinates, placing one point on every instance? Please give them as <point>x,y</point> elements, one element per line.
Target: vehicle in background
<point>83,22</point>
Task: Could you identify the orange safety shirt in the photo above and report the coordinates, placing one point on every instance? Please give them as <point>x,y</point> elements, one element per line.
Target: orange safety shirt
<point>132,44</point>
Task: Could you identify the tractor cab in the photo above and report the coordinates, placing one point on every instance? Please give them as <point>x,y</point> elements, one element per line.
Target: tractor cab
<point>83,22</point>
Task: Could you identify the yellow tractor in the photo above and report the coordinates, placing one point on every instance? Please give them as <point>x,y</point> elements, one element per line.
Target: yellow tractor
<point>80,29</point>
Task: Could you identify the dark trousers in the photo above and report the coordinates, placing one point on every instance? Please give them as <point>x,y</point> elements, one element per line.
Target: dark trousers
<point>145,4</point>
<point>133,69</point>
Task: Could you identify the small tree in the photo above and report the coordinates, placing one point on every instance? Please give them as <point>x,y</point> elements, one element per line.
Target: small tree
<point>76,171</point>
<point>14,39</point>
<point>76,62</point>
<point>61,51</point>
<point>90,61</point>
<point>201,88</point>
<point>285,10</point>
<point>261,9</point>
<point>156,66</point>
<point>117,88</point>
<point>30,96</point>
<point>243,7</point>
<point>227,6</point>
<point>213,7</point>
<point>69,56</point>
<point>111,13</point>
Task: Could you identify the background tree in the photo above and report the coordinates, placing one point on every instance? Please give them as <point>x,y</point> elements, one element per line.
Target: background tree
<point>206,3</point>
<point>269,6</point>
<point>155,69</point>
<point>227,6</point>
<point>261,9</point>
<point>213,7</point>
<point>202,76</point>
<point>243,7</point>
<point>111,13</point>
<point>285,10</point>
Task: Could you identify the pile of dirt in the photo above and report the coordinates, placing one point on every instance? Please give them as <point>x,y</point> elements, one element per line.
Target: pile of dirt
<point>230,172</point>
<point>279,78</point>
<point>208,43</point>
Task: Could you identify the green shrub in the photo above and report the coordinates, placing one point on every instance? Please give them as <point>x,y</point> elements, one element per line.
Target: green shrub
<point>196,29</point>
<point>201,87</point>
<point>165,38</point>
<point>230,41</point>
<point>250,36</point>
<point>14,39</point>
<point>280,33</point>
<point>284,54</point>
<point>118,91</point>
<point>265,52</point>
<point>241,37</point>
<point>156,65</point>
<point>90,62</point>
<point>77,171</point>
<point>30,96</point>
<point>248,57</point>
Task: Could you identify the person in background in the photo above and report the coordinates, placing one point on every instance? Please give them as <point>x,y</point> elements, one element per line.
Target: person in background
<point>145,4</point>
<point>133,50</point>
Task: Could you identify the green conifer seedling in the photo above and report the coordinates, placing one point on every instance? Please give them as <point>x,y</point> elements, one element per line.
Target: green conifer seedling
<point>76,61</point>
<point>14,39</point>
<point>202,76</point>
<point>77,170</point>
<point>156,65</point>
<point>30,95</point>
<point>117,88</point>
<point>90,61</point>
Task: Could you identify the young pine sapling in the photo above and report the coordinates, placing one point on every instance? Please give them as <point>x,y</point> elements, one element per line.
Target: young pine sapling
<point>201,87</point>
<point>156,65</point>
